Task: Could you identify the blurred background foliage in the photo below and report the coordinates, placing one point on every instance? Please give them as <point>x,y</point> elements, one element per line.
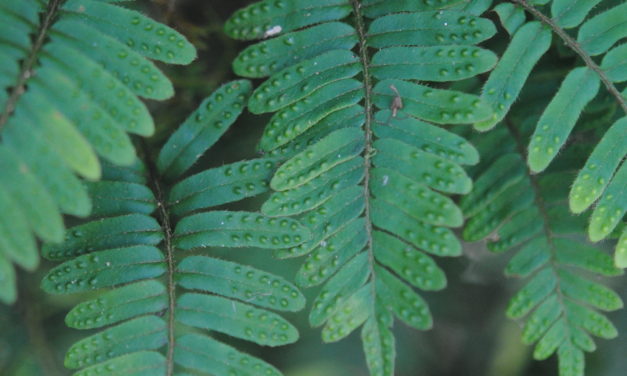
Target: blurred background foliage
<point>471,335</point>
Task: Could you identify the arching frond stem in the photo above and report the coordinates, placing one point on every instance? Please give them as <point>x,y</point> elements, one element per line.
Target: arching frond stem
<point>572,44</point>
<point>368,150</point>
<point>26,71</point>
<point>164,219</point>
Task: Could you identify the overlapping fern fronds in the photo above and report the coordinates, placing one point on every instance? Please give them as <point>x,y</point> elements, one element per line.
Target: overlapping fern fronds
<point>601,63</point>
<point>156,303</point>
<point>511,208</point>
<point>368,166</point>
<point>71,74</point>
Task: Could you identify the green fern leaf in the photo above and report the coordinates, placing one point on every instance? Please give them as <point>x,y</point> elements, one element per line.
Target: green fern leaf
<point>620,257</point>
<point>598,34</point>
<point>114,306</point>
<point>363,167</point>
<point>435,105</point>
<point>501,89</point>
<point>197,134</point>
<point>568,14</point>
<point>513,208</point>
<point>529,43</point>
<point>204,354</point>
<point>141,363</point>
<point>475,7</point>
<point>278,17</point>
<point>153,304</point>
<point>579,87</point>
<point>71,76</point>
<point>512,17</point>
<point>604,175</point>
<point>376,8</point>
<point>221,185</point>
<point>595,36</point>
<point>401,29</point>
<point>615,63</point>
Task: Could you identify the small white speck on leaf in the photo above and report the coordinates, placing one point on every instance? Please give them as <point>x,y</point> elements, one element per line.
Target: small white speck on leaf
<point>274,30</point>
<point>385,180</point>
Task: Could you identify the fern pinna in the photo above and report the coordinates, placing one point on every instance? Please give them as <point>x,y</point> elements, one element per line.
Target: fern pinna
<point>367,167</point>
<point>71,74</point>
<point>598,30</point>
<point>156,301</point>
<point>512,208</point>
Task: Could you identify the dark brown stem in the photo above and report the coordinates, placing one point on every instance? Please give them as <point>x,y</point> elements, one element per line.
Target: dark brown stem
<point>166,225</point>
<point>368,149</point>
<point>570,42</point>
<point>27,66</point>
<point>542,209</point>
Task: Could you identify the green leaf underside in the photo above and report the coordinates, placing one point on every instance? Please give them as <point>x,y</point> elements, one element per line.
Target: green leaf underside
<point>71,75</point>
<point>365,168</point>
<point>149,294</point>
<point>505,82</point>
<point>511,16</point>
<point>596,35</point>
<point>558,304</point>
<point>603,176</point>
<point>579,87</point>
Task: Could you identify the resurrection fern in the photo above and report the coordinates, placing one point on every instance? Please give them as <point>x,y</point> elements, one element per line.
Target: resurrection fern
<point>367,168</point>
<point>157,303</point>
<point>513,209</point>
<point>71,74</point>
<point>604,64</point>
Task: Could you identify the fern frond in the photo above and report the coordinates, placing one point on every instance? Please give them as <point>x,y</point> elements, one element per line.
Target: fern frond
<point>597,35</point>
<point>511,208</point>
<point>157,304</point>
<point>71,75</point>
<point>363,164</point>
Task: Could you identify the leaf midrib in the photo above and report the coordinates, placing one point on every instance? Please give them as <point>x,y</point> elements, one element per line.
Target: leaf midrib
<point>164,220</point>
<point>368,149</point>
